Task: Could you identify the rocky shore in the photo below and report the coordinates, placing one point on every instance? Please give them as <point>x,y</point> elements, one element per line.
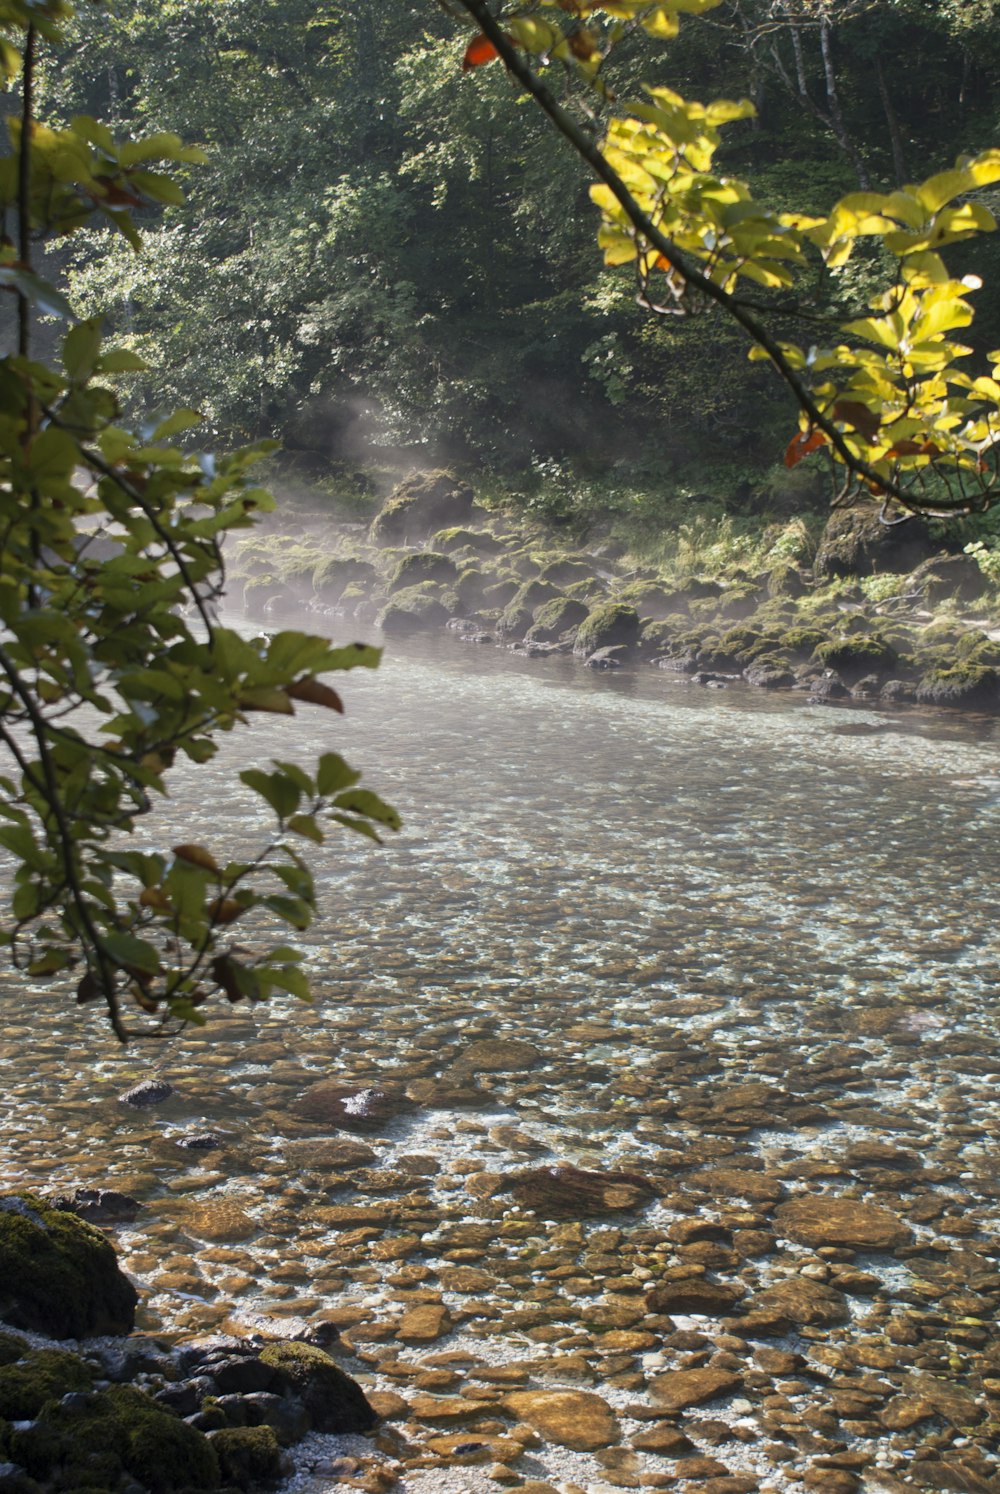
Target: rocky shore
<point>928,633</point>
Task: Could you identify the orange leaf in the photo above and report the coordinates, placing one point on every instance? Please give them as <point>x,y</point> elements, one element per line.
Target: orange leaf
<point>155,898</point>
<point>479,51</point>
<point>914,448</point>
<point>314,692</point>
<point>582,44</point>
<point>802,445</point>
<point>853,412</point>
<point>197,856</point>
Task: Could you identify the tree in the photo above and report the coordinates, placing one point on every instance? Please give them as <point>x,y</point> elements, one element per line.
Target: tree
<point>887,399</point>
<point>112,665</point>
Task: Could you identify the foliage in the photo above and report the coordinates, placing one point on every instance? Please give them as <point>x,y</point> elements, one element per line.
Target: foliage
<point>113,668</point>
<point>883,397</point>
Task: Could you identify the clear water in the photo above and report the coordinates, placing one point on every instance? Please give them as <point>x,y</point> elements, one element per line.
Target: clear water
<point>594,863</point>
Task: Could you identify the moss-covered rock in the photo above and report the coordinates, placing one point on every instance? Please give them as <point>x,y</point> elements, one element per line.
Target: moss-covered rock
<point>856,542</point>
<point>93,1440</point>
<point>855,657</point>
<point>555,618</point>
<point>945,577</point>
<point>334,1401</point>
<point>499,593</point>
<point>335,572</point>
<point>421,505</point>
<point>786,581</point>
<point>972,686</point>
<point>564,571</point>
<point>248,1456</point>
<point>59,1275</point>
<point>421,565</point>
<point>460,538</point>
<point>42,1375</point>
<point>414,610</point>
<point>606,626</point>
<point>801,643</point>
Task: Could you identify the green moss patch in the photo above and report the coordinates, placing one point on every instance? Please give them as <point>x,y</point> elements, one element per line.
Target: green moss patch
<point>612,624</point>
<point>335,1402</point>
<point>58,1275</point>
<point>45,1375</point>
<point>247,1456</point>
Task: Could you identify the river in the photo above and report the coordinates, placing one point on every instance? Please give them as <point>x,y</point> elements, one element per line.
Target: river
<point>671,894</point>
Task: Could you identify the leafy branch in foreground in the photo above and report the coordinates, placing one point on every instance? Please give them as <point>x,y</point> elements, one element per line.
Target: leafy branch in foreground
<point>887,400</point>
<point>112,667</point>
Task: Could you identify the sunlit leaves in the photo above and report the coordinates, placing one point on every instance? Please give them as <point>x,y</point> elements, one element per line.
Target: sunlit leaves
<point>112,668</point>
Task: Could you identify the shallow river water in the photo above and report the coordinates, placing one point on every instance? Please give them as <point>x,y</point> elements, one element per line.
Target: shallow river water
<point>753,946</point>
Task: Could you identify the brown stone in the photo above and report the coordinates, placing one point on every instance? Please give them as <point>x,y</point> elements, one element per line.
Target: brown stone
<point>665,1439</point>
<point>801,1300</point>
<point>577,1419</point>
<point>424,1324</point>
<point>732,1182</point>
<point>696,1295</point>
<point>677,1389</point>
<point>350,1109</point>
<point>500,1056</point>
<point>338,1155</point>
<point>220,1220</point>
<point>565,1192</point>
<point>821,1220</point>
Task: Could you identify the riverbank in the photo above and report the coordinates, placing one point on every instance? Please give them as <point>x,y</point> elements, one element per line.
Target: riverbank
<point>868,612</point>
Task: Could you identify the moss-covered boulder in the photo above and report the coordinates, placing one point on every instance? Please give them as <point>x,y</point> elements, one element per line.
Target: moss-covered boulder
<point>564,571</point>
<point>607,626</point>
<point>970,686</point>
<point>59,1275</point>
<point>90,1441</point>
<point>498,593</point>
<point>786,581</point>
<point>334,1401</point>
<point>248,1456</point>
<point>421,505</point>
<point>40,1376</point>
<point>855,657</point>
<point>949,577</point>
<point>336,572</point>
<point>556,618</point>
<point>857,542</point>
<point>478,540</point>
<point>421,565</point>
<point>413,610</point>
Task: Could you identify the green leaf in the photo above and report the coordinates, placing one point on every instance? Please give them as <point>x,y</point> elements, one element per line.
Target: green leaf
<point>132,953</point>
<point>276,788</point>
<point>81,347</point>
<point>364,802</point>
<point>173,425</point>
<point>333,774</point>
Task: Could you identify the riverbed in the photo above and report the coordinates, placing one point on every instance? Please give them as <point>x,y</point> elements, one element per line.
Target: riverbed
<point>741,949</point>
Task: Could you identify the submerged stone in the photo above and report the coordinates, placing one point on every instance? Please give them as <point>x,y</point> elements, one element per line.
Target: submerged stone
<point>577,1419</point>
<point>363,1110</point>
<point>565,1192</point>
<point>149,1092</point>
<point>817,1221</point>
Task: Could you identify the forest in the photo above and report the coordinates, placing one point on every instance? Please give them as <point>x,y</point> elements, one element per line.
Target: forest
<point>388,264</point>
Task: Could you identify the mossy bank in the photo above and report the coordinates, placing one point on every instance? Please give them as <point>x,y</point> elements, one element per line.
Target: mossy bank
<point>859,609</point>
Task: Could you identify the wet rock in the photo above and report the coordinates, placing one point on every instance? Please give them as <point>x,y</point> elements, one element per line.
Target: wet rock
<point>607,626</point>
<point>419,506</point>
<point>339,1155</point>
<point>818,1220</point>
<point>424,1324</point>
<point>577,1419</point>
<point>500,1055</point>
<point>677,1389</point>
<point>334,1401</point>
<point>609,658</point>
<point>99,1205</point>
<point>801,1300</point>
<point>58,1274</point>
<point>664,1439</point>
<point>366,1111</point>
<point>856,542</point>
<point>730,1182</point>
<point>695,1295</point>
<point>149,1092</point>
<point>200,1141</point>
<point>220,1220</point>
<point>565,1192</point>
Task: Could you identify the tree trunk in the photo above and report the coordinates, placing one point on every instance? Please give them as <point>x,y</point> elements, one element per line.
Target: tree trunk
<point>836,115</point>
<point>892,120</point>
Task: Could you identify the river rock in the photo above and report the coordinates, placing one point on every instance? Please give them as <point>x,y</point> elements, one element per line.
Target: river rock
<point>500,1055</point>
<point>334,1401</point>
<point>801,1300</point>
<point>100,1205</point>
<point>424,1324</point>
<point>58,1274</point>
<point>362,1110</point>
<point>338,1155</point>
<point>856,542</point>
<point>677,1389</point>
<point>818,1220</point>
<point>565,1192</point>
<point>695,1295</point>
<point>577,1419</point>
<point>149,1092</point>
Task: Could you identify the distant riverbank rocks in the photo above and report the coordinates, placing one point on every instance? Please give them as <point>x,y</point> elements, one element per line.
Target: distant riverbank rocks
<point>882,614</point>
